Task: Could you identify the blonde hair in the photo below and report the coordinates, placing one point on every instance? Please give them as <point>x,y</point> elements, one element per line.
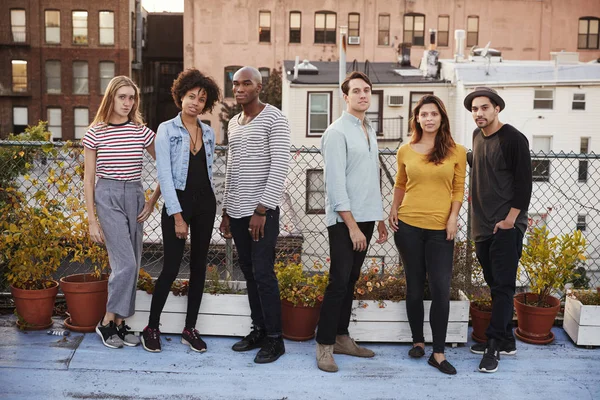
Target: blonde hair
<point>108,102</point>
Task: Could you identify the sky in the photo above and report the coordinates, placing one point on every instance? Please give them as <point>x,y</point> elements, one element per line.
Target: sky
<point>163,5</point>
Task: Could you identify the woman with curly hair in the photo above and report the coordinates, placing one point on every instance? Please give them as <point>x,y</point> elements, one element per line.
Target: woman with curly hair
<point>428,195</point>
<point>114,154</point>
<point>184,156</point>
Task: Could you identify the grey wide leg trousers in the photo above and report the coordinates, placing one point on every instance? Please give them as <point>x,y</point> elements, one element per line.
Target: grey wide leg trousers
<point>118,203</point>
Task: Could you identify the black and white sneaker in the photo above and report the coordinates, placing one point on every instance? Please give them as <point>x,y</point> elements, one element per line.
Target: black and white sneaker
<point>507,348</point>
<point>491,357</point>
<point>127,336</point>
<point>109,335</point>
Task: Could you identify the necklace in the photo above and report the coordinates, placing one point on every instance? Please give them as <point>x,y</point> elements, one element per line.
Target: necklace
<point>194,138</point>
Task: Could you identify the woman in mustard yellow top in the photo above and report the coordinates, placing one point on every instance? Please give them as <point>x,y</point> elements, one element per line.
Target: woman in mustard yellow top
<point>428,194</point>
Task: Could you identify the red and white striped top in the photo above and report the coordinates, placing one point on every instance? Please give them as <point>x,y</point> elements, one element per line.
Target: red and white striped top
<point>119,149</point>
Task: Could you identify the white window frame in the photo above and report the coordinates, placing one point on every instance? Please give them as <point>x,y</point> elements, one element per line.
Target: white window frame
<point>537,101</point>
<point>315,174</point>
<point>80,38</point>
<point>20,115</point>
<point>106,33</point>
<point>53,78</point>
<point>578,101</point>
<point>54,115</point>
<point>543,164</point>
<point>17,84</point>
<point>52,31</point>
<point>105,78</point>
<point>327,112</point>
<point>19,32</point>
<point>81,121</point>
<point>79,80</point>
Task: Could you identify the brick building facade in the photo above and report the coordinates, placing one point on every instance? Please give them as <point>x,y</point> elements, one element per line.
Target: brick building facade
<point>56,57</point>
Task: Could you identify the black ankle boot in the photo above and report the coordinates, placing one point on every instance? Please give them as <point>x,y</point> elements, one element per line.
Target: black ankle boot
<point>270,351</point>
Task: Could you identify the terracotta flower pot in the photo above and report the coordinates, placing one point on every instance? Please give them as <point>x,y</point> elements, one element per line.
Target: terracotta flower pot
<point>535,323</point>
<point>35,306</point>
<point>86,300</point>
<point>299,322</point>
<point>480,320</point>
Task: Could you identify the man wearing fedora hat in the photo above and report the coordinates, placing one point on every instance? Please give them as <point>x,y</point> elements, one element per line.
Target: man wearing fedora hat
<point>501,185</point>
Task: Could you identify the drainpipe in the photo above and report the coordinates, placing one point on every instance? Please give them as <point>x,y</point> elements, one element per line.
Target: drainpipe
<point>342,65</point>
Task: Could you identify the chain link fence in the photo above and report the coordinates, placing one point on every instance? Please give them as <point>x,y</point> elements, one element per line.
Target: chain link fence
<point>566,196</point>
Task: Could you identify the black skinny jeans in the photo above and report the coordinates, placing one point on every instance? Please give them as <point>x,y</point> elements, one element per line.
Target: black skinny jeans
<point>426,254</point>
<point>257,262</point>
<point>343,274</point>
<point>499,257</point>
<point>201,227</point>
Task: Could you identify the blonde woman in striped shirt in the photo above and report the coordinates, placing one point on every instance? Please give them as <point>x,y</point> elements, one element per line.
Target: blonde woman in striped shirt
<point>114,154</point>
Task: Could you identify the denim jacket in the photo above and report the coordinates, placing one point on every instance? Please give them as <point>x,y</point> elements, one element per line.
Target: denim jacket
<point>173,158</point>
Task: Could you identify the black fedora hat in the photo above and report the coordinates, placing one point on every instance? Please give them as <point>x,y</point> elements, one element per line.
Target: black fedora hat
<point>484,91</point>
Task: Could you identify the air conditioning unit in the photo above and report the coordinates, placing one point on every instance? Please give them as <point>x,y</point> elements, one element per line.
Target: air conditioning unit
<point>395,101</point>
<point>353,39</point>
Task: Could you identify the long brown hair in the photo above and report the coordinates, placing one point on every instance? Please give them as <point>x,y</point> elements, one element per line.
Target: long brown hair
<point>108,102</point>
<point>443,138</point>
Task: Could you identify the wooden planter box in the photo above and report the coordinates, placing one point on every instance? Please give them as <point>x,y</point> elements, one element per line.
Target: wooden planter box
<point>220,314</point>
<point>390,324</point>
<point>582,323</point>
<point>229,315</point>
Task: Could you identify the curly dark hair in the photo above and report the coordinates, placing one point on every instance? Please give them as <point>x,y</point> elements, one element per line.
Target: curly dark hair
<point>192,78</point>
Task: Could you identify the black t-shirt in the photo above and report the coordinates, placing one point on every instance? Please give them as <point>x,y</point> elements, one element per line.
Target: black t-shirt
<point>500,179</point>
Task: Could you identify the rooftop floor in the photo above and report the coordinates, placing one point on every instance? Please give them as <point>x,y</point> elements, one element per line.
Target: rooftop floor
<point>34,365</point>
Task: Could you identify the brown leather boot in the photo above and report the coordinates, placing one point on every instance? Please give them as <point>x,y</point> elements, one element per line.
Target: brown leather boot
<point>344,344</point>
<point>325,360</point>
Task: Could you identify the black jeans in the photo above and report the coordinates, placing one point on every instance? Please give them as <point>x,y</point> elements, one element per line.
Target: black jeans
<point>426,254</point>
<point>201,227</point>
<point>257,262</point>
<point>343,274</point>
<point>499,257</point>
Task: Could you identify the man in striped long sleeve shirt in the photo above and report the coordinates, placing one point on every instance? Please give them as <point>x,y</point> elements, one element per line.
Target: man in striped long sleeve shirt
<point>257,166</point>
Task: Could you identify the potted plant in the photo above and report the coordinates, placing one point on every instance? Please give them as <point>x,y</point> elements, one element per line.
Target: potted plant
<point>548,263</point>
<point>582,317</point>
<point>301,294</point>
<point>86,293</point>
<point>480,307</point>
<point>32,246</point>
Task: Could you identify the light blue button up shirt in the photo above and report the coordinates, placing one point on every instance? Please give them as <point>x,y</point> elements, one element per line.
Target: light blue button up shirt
<point>172,146</point>
<point>351,171</point>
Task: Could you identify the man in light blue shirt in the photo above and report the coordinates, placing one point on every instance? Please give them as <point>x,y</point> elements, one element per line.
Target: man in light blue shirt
<point>353,204</point>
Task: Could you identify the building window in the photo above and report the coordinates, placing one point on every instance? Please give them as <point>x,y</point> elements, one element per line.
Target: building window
<point>107,72</point>
<point>53,77</point>
<point>20,119</point>
<point>80,27</point>
<point>82,120</point>
<point>229,72</point>
<point>414,29</point>
<point>55,123</point>
<point>443,30</point>
<point>265,73</point>
<point>578,101</point>
<point>19,76</point>
<point>383,36</point>
<point>107,27</point>
<point>584,148</point>
<point>18,26</point>
<point>472,31</point>
<point>80,77</point>
<point>295,26</point>
<point>325,27</point>
<point>375,111</point>
<point>588,33</point>
<point>354,24</point>
<point>414,99</point>
<point>315,191</point>
<point>52,18</point>
<point>543,99</point>
<point>319,112</point>
<point>144,32</point>
<point>581,222</point>
<point>264,26</point>
<point>540,164</point>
